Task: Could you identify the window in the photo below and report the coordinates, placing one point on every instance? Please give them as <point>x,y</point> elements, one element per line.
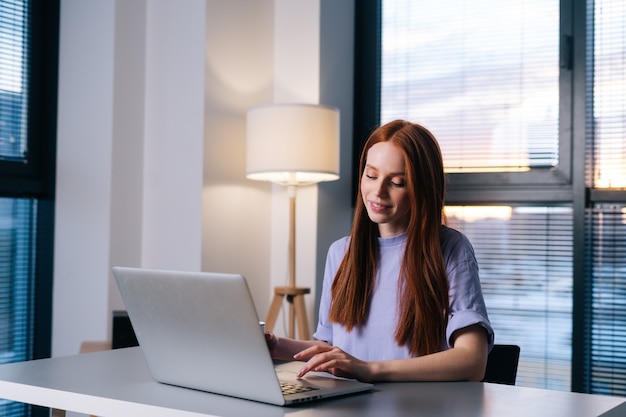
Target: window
<point>540,193</point>
<point>525,258</point>
<point>605,225</point>
<point>607,344</point>
<point>28,62</point>
<point>607,41</point>
<point>492,101</point>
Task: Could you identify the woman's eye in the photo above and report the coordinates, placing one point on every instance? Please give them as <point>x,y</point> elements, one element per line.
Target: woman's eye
<point>397,182</point>
<point>371,177</point>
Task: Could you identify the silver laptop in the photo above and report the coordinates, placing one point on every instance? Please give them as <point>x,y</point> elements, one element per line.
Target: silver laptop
<point>200,330</point>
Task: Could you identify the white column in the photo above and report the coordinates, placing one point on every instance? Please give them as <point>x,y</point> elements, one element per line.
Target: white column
<point>129,153</point>
<point>174,134</point>
<point>83,188</point>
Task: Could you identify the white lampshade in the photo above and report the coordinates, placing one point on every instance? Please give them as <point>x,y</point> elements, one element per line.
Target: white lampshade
<point>293,144</point>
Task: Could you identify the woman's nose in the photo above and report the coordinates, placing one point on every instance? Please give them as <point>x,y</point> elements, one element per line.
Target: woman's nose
<point>381,189</point>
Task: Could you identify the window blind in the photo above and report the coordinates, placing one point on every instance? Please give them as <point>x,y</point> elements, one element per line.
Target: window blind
<point>17,215</point>
<point>607,350</point>
<point>525,260</point>
<point>605,370</point>
<point>14,37</point>
<point>483,76</point>
<point>17,241</point>
<point>608,36</point>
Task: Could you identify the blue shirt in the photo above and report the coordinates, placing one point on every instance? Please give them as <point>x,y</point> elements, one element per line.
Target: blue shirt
<point>375,340</point>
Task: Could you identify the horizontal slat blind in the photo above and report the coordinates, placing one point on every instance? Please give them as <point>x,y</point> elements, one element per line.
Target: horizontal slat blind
<point>16,286</point>
<point>17,227</point>
<point>483,76</point>
<point>16,243</point>
<point>605,367</point>
<point>14,36</point>
<point>609,93</point>
<point>525,260</point>
<point>607,240</point>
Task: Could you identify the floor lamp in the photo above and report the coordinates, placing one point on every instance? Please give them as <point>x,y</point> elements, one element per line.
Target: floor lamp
<point>292,145</point>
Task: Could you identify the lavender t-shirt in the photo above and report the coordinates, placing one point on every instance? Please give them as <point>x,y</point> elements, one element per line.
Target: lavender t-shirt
<point>375,340</point>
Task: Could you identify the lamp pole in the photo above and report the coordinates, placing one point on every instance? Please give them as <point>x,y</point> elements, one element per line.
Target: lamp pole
<point>292,144</point>
<point>295,295</point>
<point>291,192</point>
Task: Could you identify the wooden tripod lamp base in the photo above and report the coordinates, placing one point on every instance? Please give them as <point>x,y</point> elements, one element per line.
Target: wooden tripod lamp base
<point>308,138</point>
<point>297,309</point>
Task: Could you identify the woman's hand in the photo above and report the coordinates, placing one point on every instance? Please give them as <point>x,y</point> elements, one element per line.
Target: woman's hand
<point>272,341</point>
<point>465,361</point>
<point>333,360</point>
<point>284,348</point>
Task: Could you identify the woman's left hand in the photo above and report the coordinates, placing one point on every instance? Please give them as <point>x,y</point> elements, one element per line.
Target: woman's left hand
<point>333,360</point>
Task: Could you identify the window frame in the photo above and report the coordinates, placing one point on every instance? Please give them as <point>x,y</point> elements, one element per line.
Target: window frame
<point>36,178</point>
<point>537,185</point>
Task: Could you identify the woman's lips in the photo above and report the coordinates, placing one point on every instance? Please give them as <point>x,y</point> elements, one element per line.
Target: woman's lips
<point>377,207</point>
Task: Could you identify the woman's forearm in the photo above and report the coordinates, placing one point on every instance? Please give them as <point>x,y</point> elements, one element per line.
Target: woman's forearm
<point>450,365</point>
<point>465,362</point>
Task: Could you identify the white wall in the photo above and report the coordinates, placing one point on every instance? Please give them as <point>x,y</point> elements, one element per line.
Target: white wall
<point>84,146</point>
<point>277,51</point>
<point>296,80</point>
<point>313,64</point>
<point>130,141</point>
<point>151,145</point>
<point>239,74</point>
<point>334,200</point>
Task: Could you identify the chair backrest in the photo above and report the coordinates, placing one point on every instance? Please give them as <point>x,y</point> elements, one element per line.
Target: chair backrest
<point>502,364</point>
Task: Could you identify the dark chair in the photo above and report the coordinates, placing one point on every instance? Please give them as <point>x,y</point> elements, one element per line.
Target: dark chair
<point>502,364</point>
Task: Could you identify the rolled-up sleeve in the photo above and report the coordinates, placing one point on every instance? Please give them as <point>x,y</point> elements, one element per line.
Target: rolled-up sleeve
<point>334,256</point>
<point>467,305</point>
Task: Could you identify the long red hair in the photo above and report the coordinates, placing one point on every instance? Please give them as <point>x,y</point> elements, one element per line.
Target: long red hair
<point>423,296</point>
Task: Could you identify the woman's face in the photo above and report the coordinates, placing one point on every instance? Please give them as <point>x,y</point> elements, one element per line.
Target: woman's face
<point>385,195</point>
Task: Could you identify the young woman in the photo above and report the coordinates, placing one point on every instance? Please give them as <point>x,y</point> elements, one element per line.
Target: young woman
<point>401,297</point>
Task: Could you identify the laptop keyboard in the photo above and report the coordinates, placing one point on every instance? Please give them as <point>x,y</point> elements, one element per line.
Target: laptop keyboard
<point>288,388</point>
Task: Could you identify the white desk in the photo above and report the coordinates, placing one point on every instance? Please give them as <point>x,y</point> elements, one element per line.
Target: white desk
<point>117,383</point>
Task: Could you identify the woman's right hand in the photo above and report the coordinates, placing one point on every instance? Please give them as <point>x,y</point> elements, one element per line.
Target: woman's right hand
<point>284,348</point>
<point>272,342</point>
